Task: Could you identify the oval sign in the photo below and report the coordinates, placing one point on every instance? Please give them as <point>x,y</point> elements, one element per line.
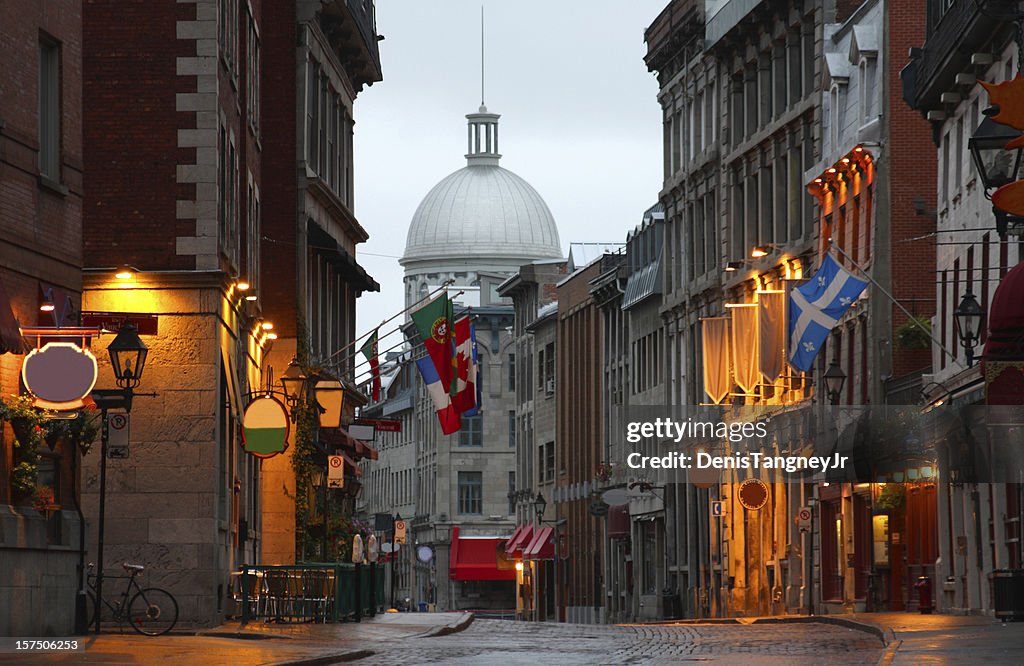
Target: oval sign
<point>615,496</point>
<point>59,375</point>
<point>753,494</point>
<point>265,427</point>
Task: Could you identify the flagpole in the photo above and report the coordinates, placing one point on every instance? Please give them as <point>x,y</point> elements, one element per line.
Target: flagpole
<point>356,352</point>
<point>882,289</point>
<point>391,318</point>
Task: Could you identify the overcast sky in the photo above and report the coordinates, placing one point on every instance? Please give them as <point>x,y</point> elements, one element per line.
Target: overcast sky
<point>579,117</point>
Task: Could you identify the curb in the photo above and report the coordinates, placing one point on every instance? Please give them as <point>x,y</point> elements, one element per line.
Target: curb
<point>460,625</point>
<point>335,658</point>
<point>884,634</point>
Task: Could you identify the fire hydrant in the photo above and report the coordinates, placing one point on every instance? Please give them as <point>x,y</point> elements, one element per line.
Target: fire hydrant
<point>924,595</point>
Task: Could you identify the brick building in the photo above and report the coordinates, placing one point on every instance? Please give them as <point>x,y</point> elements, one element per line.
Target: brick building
<point>173,160</point>
<point>41,187</point>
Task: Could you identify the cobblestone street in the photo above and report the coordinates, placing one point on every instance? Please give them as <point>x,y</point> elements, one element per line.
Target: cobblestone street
<point>504,642</point>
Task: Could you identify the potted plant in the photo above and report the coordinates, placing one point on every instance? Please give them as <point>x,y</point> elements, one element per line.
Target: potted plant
<point>26,423</point>
<point>892,497</point>
<point>44,500</point>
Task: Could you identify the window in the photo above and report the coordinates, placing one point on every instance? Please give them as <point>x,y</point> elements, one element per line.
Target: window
<point>540,368</point>
<point>471,433</point>
<point>511,372</point>
<point>549,461</point>
<point>228,34</point>
<point>511,429</point>
<point>549,366</point>
<point>471,490</point>
<point>312,114</point>
<point>511,491</point>
<point>49,110</point>
<point>253,75</point>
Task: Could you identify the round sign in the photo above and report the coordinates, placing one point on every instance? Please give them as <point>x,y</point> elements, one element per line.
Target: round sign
<point>59,375</point>
<point>615,496</point>
<point>424,554</point>
<point>399,525</point>
<point>804,515</point>
<point>335,461</point>
<point>117,421</point>
<point>753,494</point>
<point>265,427</point>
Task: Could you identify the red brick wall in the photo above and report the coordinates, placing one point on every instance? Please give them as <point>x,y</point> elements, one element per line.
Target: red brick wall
<point>279,161</point>
<point>130,135</point>
<point>40,229</point>
<point>579,420</point>
<point>912,174</point>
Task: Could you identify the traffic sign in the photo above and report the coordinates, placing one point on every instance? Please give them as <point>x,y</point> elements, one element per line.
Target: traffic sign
<point>117,453</point>
<point>803,517</point>
<point>716,508</point>
<point>335,472</point>
<point>399,531</point>
<point>119,424</point>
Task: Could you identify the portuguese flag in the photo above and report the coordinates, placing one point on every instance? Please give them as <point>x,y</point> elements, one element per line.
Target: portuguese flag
<point>434,323</point>
<point>369,350</point>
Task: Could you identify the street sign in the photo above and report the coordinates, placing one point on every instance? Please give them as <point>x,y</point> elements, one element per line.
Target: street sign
<point>335,472</point>
<point>598,509</point>
<point>117,453</point>
<point>753,494</point>
<point>381,425</point>
<point>716,508</point>
<point>119,424</point>
<point>399,531</point>
<point>361,432</point>
<point>803,517</point>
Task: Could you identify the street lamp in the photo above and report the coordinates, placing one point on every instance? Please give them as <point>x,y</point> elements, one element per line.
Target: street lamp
<point>128,359</point>
<point>834,380</point>
<point>293,383</point>
<point>996,166</point>
<point>539,505</point>
<point>968,317</point>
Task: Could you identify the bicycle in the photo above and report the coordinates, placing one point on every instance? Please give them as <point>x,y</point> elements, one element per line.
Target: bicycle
<point>151,611</point>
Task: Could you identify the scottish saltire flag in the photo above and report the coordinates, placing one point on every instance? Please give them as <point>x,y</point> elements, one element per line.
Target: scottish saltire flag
<point>446,412</point>
<point>815,308</point>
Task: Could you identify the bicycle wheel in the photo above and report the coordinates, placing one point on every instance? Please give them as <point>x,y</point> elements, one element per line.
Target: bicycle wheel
<point>153,612</point>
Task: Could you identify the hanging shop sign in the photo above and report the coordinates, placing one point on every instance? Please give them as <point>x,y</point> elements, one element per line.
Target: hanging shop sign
<point>753,494</point>
<point>60,375</point>
<point>265,427</point>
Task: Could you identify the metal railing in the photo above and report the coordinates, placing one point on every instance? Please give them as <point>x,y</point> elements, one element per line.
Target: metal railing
<point>308,592</point>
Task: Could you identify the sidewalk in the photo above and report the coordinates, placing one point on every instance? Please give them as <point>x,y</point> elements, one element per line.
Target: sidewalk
<point>946,639</point>
<point>257,643</point>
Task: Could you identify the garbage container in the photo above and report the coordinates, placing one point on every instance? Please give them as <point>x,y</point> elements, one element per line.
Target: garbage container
<point>671,604</point>
<point>1008,593</point>
<point>423,606</point>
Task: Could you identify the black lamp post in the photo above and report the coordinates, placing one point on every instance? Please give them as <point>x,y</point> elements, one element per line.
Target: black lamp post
<point>294,383</point>
<point>539,505</point>
<point>834,380</point>
<point>128,359</point>
<point>968,317</point>
<point>996,166</point>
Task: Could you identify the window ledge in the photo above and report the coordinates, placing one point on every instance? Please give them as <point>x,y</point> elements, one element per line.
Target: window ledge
<point>47,183</point>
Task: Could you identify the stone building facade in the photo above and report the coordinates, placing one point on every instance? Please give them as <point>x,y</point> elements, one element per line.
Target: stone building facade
<point>186,501</point>
<point>962,44</point>
<point>41,164</point>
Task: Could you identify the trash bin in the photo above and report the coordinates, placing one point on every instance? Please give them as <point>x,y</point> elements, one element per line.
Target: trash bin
<point>671,604</point>
<point>423,606</point>
<point>1008,594</point>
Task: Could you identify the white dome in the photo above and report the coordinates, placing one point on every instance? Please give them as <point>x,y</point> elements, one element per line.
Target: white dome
<point>482,211</point>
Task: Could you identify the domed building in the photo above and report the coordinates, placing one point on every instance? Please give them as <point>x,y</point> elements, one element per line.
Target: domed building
<point>481,219</point>
<point>477,227</point>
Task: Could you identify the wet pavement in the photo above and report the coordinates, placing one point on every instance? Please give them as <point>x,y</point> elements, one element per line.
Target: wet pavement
<point>513,643</point>
<point>927,640</point>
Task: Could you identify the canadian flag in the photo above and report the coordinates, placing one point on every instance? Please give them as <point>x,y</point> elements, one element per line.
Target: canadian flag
<point>465,398</point>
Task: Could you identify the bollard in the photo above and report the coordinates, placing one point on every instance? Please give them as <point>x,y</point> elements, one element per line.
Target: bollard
<point>924,595</point>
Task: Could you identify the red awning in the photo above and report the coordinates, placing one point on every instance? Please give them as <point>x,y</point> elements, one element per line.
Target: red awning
<point>340,439</point>
<point>10,334</point>
<point>618,522</point>
<point>519,540</point>
<point>476,558</point>
<point>542,547</point>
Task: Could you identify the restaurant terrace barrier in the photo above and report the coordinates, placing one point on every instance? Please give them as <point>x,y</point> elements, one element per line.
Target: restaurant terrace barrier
<point>308,592</point>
